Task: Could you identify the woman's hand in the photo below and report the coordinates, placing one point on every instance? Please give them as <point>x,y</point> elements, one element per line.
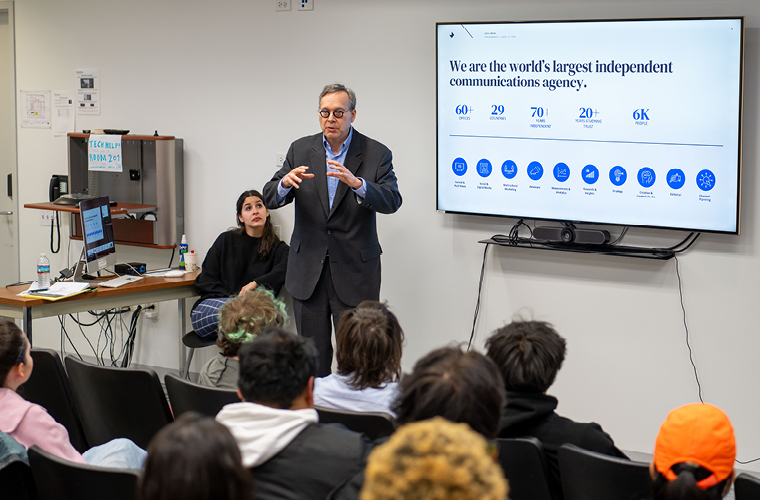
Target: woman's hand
<point>247,288</point>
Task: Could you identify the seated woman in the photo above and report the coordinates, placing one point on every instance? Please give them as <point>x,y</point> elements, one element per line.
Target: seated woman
<point>241,320</point>
<point>240,260</point>
<point>369,344</point>
<point>194,458</point>
<point>30,424</point>
<point>694,455</point>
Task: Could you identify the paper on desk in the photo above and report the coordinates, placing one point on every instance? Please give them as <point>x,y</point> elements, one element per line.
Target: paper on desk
<point>57,290</point>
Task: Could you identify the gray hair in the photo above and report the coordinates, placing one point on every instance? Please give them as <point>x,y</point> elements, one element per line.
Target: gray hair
<point>339,87</point>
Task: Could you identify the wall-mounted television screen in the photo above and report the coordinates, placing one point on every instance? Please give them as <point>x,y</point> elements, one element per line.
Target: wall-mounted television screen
<point>624,122</point>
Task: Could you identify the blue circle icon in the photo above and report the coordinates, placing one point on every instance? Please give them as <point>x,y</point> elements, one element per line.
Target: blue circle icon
<point>561,172</point>
<point>646,177</point>
<point>618,175</point>
<point>675,178</point>
<point>484,168</point>
<point>459,166</point>
<point>535,170</point>
<point>509,169</point>
<point>705,180</point>
<point>590,174</point>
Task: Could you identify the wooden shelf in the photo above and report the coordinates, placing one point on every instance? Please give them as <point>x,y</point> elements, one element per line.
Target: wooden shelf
<point>129,137</point>
<point>118,209</point>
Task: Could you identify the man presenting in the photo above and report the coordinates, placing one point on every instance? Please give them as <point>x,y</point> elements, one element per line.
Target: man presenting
<point>339,179</point>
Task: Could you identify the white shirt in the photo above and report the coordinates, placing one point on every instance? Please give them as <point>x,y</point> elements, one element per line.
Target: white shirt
<point>333,391</point>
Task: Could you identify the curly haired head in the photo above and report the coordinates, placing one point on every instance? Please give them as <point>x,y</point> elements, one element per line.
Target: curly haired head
<point>433,460</point>
<point>243,318</point>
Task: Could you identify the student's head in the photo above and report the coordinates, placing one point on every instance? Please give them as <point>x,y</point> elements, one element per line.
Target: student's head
<point>694,454</point>
<point>15,358</point>
<point>433,460</point>
<point>369,342</point>
<point>458,386</point>
<point>194,458</point>
<point>528,353</point>
<point>253,218</point>
<point>243,318</point>
<point>276,368</point>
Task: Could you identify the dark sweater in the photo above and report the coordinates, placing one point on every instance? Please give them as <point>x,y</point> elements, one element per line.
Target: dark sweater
<point>320,458</point>
<point>531,414</point>
<point>232,262</point>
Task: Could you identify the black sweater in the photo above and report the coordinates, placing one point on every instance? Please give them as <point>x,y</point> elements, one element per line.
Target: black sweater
<point>529,414</point>
<point>232,262</point>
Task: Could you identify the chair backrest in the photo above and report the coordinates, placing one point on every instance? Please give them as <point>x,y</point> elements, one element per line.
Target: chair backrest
<point>58,479</point>
<point>373,425</point>
<point>187,396</point>
<point>49,387</point>
<point>524,465</point>
<point>117,402</point>
<point>746,487</point>
<point>587,475</point>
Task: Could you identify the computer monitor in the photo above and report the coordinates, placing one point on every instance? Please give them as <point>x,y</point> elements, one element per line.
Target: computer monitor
<point>97,233</point>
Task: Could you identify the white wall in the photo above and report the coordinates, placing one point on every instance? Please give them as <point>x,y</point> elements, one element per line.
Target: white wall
<point>239,82</point>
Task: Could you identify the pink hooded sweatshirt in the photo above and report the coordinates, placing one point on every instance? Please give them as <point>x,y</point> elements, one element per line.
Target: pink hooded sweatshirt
<point>31,424</point>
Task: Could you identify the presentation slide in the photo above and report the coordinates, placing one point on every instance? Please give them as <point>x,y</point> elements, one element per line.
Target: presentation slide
<point>618,122</point>
<point>94,230</point>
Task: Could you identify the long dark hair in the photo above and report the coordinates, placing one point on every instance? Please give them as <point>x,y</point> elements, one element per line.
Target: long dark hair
<point>269,239</point>
<point>12,348</point>
<point>194,458</point>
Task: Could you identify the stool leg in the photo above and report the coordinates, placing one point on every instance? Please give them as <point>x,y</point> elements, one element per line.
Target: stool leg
<point>187,364</point>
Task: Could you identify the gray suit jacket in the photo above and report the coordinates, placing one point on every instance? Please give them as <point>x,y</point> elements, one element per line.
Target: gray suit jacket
<point>348,231</point>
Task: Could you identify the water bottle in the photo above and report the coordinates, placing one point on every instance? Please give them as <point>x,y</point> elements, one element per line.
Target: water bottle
<point>43,272</point>
<point>182,251</point>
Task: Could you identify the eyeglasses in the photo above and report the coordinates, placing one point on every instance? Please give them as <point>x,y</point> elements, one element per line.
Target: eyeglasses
<point>338,113</point>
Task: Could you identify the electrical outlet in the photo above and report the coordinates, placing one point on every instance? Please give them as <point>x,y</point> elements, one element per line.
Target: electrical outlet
<point>305,4</point>
<point>47,217</point>
<point>282,5</point>
<point>280,158</point>
<point>151,310</point>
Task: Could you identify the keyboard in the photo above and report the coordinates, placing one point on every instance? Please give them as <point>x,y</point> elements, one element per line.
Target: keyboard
<point>120,281</point>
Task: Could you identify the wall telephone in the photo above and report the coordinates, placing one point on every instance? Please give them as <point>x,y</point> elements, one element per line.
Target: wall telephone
<point>59,186</point>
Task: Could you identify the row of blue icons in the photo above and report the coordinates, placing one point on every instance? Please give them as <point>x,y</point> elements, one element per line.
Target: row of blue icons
<point>590,174</point>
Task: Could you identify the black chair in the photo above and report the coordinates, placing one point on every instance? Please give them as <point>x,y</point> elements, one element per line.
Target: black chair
<point>193,342</point>
<point>186,396</point>
<point>49,387</point>
<point>373,425</point>
<point>587,475</point>
<point>16,482</point>
<point>59,479</point>
<point>524,465</point>
<point>117,402</point>
<point>747,487</point>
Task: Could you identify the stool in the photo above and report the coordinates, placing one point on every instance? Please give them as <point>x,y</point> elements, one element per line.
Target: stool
<point>193,341</point>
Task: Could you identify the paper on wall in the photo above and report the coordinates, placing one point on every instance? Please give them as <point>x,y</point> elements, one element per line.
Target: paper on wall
<point>36,109</point>
<point>63,112</point>
<point>88,91</point>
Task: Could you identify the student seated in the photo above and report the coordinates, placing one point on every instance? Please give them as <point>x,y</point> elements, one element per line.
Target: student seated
<point>462,387</point>
<point>194,458</point>
<point>529,354</point>
<point>241,320</point>
<point>369,343</point>
<point>240,260</point>
<point>30,424</point>
<point>694,455</point>
<point>290,455</point>
<point>434,460</point>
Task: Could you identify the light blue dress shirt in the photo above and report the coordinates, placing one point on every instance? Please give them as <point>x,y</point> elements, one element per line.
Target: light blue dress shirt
<point>332,182</point>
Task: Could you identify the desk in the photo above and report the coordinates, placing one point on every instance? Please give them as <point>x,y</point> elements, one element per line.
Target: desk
<point>150,289</point>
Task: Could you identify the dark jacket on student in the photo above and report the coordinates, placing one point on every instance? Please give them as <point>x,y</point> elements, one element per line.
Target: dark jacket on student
<point>320,458</point>
<point>532,414</point>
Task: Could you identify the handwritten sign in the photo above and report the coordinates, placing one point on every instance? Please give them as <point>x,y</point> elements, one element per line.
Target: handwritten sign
<point>104,153</point>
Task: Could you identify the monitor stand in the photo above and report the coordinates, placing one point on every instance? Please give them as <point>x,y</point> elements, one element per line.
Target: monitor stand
<point>79,270</point>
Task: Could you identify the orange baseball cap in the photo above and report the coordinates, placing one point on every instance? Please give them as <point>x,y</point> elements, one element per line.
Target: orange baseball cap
<point>700,434</point>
